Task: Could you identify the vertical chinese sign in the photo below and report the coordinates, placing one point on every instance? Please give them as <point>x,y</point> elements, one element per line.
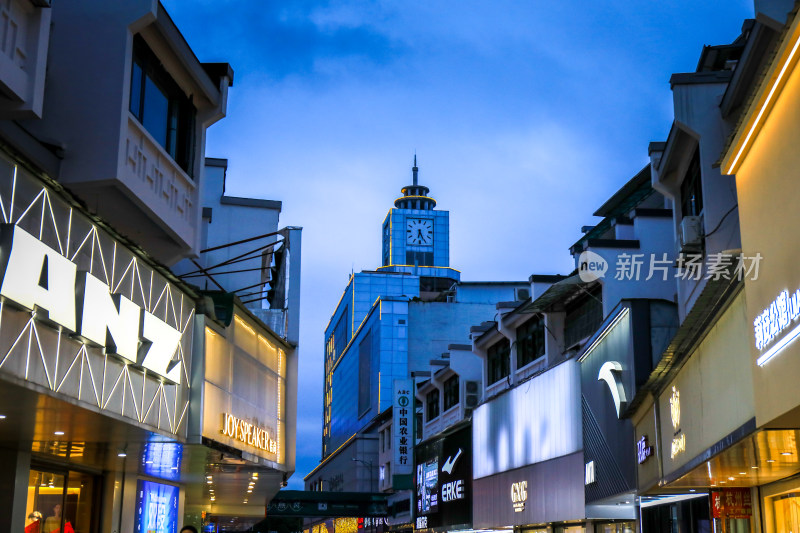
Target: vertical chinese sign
<point>403,432</point>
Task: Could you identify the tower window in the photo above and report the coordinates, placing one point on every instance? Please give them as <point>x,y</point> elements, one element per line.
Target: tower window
<point>419,258</point>
<point>364,373</point>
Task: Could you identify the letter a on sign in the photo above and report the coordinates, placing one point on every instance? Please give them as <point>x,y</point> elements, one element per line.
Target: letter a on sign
<point>34,275</point>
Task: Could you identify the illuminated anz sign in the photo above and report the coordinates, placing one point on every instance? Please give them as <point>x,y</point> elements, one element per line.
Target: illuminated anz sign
<point>42,280</point>
<point>773,321</point>
<point>248,433</point>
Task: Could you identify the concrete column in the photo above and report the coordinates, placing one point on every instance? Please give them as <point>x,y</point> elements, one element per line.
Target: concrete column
<point>15,467</point>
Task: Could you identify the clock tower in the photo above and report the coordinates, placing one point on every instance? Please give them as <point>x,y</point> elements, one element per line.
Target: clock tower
<point>416,238</point>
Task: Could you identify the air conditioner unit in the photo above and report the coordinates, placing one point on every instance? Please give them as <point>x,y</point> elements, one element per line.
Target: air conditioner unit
<point>471,389</point>
<point>522,294</point>
<point>691,232</point>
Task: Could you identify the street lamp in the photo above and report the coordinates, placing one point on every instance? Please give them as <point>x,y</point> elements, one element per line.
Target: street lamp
<point>369,465</point>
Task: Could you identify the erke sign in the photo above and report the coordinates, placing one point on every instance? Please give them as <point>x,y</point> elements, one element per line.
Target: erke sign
<point>37,278</point>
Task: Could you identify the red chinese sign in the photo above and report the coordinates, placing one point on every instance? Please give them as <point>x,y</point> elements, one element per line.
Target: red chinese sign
<point>731,503</point>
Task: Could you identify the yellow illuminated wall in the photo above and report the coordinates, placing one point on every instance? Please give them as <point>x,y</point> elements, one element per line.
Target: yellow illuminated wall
<point>245,377</point>
<point>768,187</point>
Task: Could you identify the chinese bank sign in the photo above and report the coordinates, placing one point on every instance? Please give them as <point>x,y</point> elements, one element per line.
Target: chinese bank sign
<point>402,425</point>
<point>85,317</point>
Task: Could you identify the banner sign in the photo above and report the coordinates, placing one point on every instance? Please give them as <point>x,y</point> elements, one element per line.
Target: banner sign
<point>403,426</point>
<point>731,503</point>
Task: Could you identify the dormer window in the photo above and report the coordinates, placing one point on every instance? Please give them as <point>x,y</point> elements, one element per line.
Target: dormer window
<point>450,392</point>
<point>498,361</point>
<point>530,341</point>
<point>432,404</point>
<point>692,188</point>
<point>161,106</point>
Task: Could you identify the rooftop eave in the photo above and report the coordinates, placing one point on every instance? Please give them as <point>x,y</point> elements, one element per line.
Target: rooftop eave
<point>761,40</point>
<point>185,55</point>
<point>763,97</point>
<point>700,78</point>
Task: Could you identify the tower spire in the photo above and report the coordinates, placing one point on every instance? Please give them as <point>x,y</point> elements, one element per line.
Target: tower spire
<point>414,170</point>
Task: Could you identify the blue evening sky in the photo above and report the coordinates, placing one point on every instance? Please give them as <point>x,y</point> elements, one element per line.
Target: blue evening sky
<point>525,116</point>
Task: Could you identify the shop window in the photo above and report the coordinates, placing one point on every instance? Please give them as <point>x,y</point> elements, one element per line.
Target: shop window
<point>498,361</point>
<point>432,403</point>
<point>584,315</point>
<point>161,106</point>
<point>530,341</point>
<point>60,502</point>
<point>692,188</point>
<point>450,392</point>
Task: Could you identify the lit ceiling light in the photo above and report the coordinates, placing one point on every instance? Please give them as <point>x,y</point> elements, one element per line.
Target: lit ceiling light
<point>722,482</point>
<point>742,474</point>
<point>2,417</point>
<point>255,475</point>
<point>770,460</point>
<point>208,477</point>
<point>249,491</point>
<point>122,454</point>
<point>732,478</point>
<point>209,481</point>
<point>786,453</point>
<point>754,467</point>
<point>692,490</point>
<point>59,433</point>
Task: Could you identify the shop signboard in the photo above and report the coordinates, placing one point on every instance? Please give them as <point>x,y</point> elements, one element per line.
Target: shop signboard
<point>156,508</point>
<point>732,503</point>
<point>403,426</point>
<point>443,481</point>
<point>86,316</point>
<point>244,391</point>
<point>617,360</point>
<point>530,424</point>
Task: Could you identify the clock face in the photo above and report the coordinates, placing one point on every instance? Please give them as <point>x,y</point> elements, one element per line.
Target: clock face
<point>419,231</point>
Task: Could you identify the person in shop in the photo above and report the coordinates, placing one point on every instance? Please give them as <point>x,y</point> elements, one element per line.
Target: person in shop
<point>53,523</point>
<point>35,525</point>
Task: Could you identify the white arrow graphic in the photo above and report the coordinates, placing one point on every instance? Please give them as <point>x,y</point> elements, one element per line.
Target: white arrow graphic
<point>451,462</point>
<point>608,373</point>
